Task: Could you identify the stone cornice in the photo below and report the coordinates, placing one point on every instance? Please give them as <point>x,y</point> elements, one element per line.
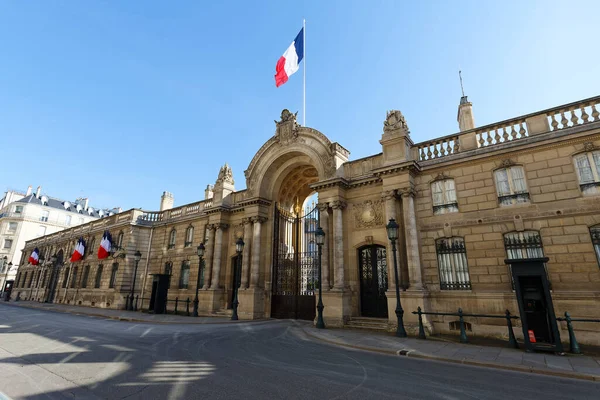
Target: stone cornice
<point>411,166</point>
<point>333,182</point>
<point>254,200</point>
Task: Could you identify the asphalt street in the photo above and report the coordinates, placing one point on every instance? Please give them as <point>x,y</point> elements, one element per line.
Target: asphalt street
<point>48,355</point>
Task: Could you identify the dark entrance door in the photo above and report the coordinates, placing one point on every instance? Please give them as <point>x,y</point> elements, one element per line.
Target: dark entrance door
<point>160,291</point>
<point>295,269</point>
<point>540,330</point>
<point>372,267</point>
<point>236,263</point>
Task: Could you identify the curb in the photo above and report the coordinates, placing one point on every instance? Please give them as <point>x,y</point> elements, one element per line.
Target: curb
<point>139,321</point>
<point>416,354</point>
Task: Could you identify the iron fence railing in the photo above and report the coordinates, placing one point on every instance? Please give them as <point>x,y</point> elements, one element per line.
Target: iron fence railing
<point>573,345</point>
<point>180,306</point>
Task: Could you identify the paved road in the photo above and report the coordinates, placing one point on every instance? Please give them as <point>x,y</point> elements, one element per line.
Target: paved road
<point>46,355</point>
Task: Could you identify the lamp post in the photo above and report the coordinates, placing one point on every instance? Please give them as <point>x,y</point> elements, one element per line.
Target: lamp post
<point>320,237</point>
<point>52,279</point>
<point>137,257</point>
<point>239,247</point>
<point>392,231</point>
<point>3,260</point>
<point>200,250</point>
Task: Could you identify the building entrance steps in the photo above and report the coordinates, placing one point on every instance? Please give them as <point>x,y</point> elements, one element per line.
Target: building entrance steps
<point>569,366</point>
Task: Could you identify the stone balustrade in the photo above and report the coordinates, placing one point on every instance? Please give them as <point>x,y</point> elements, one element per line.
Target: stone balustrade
<point>549,120</point>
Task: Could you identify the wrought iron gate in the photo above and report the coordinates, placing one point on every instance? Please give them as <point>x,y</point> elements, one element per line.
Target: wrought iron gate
<point>295,268</point>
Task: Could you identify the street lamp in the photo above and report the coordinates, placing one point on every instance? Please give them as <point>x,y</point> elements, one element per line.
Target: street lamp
<point>137,257</point>
<point>320,237</point>
<point>200,251</point>
<point>392,231</point>
<point>3,265</point>
<point>239,247</point>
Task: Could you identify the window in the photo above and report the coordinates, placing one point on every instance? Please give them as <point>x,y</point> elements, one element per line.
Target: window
<point>90,249</point>
<point>113,275</point>
<point>189,236</point>
<point>511,186</point>
<point>595,231</point>
<point>74,277</point>
<point>41,230</point>
<point>67,220</point>
<point>44,279</point>
<point>523,245</point>
<point>169,271</point>
<point>65,278</point>
<point>86,274</point>
<point>184,278</point>
<point>8,243</point>
<point>172,239</point>
<point>444,197</point>
<point>12,227</point>
<point>18,209</point>
<point>45,215</point>
<point>587,166</point>
<point>98,276</point>
<point>452,264</point>
<point>120,240</point>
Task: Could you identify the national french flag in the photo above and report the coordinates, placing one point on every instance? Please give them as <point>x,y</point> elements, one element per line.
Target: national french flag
<point>105,245</point>
<point>34,258</point>
<point>79,251</point>
<point>289,63</point>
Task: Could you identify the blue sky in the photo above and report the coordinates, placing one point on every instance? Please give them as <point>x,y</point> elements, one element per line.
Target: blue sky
<point>119,101</point>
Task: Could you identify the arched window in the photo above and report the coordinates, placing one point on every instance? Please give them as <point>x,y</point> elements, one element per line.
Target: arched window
<point>595,232</point>
<point>443,195</point>
<point>113,275</point>
<point>65,278</point>
<point>452,264</point>
<point>189,236</point>
<point>98,276</point>
<point>184,277</point>
<point>511,185</point>
<point>91,249</point>
<point>587,166</point>
<point>120,240</point>
<point>86,274</point>
<point>172,236</point>
<point>169,271</point>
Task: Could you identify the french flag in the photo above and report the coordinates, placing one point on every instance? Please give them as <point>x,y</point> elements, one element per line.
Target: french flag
<point>289,63</point>
<point>105,245</point>
<point>79,251</point>
<point>34,258</point>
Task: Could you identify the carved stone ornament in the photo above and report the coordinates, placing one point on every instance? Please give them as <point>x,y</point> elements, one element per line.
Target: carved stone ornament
<point>338,204</point>
<point>225,175</point>
<point>250,188</point>
<point>368,214</point>
<point>507,162</point>
<point>237,231</point>
<point>287,129</point>
<point>441,177</point>
<point>323,207</point>
<point>394,120</point>
<point>589,146</point>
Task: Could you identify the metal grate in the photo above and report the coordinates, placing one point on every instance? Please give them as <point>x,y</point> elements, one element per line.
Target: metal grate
<point>452,264</point>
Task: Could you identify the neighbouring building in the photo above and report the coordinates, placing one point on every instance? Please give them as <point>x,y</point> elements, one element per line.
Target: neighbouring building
<point>28,215</point>
<point>500,217</point>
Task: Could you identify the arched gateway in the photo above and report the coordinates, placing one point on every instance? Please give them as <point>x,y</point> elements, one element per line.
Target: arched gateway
<point>282,172</point>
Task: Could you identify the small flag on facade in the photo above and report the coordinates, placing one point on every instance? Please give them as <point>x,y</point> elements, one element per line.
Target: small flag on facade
<point>105,245</point>
<point>79,251</point>
<point>289,63</point>
<point>34,258</point>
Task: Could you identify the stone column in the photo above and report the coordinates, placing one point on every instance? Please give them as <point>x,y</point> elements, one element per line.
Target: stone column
<point>324,222</point>
<point>412,240</point>
<point>255,268</point>
<point>210,246</point>
<point>338,244</point>
<point>246,253</point>
<point>389,197</point>
<point>216,265</point>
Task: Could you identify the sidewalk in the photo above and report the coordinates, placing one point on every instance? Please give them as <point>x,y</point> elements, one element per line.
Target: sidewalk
<point>568,366</point>
<point>122,315</point>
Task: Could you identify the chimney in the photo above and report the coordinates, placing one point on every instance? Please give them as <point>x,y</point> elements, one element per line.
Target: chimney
<point>38,192</point>
<point>208,192</point>
<point>84,203</point>
<point>465,117</point>
<point>29,190</point>
<point>166,201</point>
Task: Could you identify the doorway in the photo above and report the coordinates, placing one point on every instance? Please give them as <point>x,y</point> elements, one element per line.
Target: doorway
<point>372,267</point>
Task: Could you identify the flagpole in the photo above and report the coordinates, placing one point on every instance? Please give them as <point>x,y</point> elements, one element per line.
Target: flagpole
<point>304,80</point>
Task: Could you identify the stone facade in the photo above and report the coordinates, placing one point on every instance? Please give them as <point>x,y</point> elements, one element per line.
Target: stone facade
<point>466,204</point>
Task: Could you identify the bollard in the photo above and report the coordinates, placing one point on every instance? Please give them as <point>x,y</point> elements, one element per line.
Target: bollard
<point>187,306</point>
<point>461,321</point>
<point>136,303</point>
<point>574,346</point>
<point>421,329</point>
<point>512,341</point>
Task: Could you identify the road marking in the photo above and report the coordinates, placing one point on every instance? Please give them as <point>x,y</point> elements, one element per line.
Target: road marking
<point>146,332</point>
<point>116,347</point>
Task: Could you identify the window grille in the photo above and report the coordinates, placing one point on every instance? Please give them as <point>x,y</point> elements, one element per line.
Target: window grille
<point>452,264</point>
<point>523,245</point>
<point>595,232</point>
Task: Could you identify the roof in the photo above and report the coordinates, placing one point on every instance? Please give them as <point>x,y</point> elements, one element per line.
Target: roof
<point>69,206</point>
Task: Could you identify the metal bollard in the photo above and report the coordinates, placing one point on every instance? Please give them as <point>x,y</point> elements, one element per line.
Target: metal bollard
<point>176,303</point>
<point>574,346</point>
<point>187,306</point>
<point>463,332</point>
<point>512,341</point>
<point>421,329</point>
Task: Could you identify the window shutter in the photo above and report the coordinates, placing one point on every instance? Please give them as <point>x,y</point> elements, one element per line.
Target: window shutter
<point>437,193</point>
<point>450,191</point>
<point>502,182</point>
<point>518,177</point>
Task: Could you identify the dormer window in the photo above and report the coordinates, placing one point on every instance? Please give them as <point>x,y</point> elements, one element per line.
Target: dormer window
<point>587,166</point>
<point>44,200</point>
<point>443,195</point>
<point>511,186</point>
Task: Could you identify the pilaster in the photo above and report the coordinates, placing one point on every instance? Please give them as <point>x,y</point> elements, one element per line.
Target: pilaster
<point>338,243</point>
